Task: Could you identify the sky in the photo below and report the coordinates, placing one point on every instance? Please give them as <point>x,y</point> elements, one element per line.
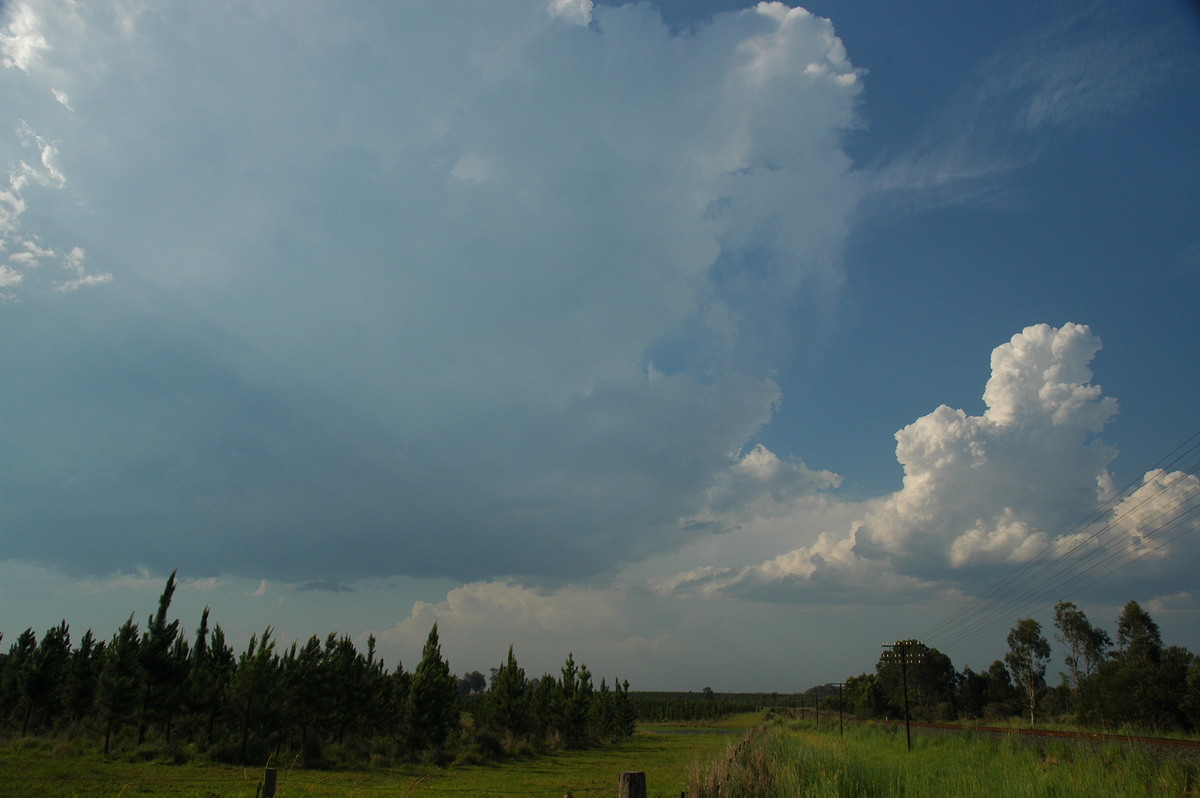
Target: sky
<point>715,343</point>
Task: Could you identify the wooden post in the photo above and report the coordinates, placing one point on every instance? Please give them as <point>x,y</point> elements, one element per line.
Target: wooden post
<point>269,783</point>
<point>632,784</point>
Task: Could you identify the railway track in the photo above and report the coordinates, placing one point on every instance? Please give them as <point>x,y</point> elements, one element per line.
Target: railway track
<point>1163,743</point>
<point>1160,743</point>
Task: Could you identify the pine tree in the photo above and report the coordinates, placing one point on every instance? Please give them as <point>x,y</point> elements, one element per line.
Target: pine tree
<point>219,665</point>
<point>18,673</point>
<point>507,702</point>
<point>398,687</point>
<point>571,704</point>
<point>254,690</point>
<point>120,675</point>
<point>432,699</point>
<point>307,696</point>
<point>86,662</point>
<point>46,682</point>
<point>161,665</point>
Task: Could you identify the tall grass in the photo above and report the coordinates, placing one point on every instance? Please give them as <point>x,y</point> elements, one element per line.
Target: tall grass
<point>790,758</point>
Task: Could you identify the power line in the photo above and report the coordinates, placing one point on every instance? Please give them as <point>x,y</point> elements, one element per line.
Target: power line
<point>1085,553</point>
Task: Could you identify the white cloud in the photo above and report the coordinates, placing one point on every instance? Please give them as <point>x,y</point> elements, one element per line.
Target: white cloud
<point>22,42</point>
<point>1155,526</point>
<point>481,619</point>
<point>1182,601</point>
<point>759,483</point>
<point>978,491</point>
<point>1065,73</point>
<point>578,12</point>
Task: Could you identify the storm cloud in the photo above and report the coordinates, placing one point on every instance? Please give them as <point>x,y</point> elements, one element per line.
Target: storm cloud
<point>313,292</point>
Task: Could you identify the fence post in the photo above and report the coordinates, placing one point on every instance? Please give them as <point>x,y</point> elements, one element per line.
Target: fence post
<point>632,784</point>
<point>269,783</point>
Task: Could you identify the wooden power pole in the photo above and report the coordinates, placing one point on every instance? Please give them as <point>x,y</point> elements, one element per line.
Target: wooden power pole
<point>905,652</point>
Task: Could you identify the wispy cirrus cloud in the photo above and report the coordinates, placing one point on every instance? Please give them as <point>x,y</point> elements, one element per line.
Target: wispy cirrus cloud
<point>1081,67</point>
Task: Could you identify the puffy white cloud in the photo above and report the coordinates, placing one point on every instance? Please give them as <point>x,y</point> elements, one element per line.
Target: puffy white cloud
<point>576,11</point>
<point>759,484</point>
<point>1152,531</point>
<point>982,491</point>
<point>479,621</point>
<point>454,289</point>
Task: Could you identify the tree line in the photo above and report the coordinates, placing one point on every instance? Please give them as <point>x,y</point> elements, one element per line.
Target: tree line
<point>1138,683</point>
<point>690,707</point>
<point>325,701</point>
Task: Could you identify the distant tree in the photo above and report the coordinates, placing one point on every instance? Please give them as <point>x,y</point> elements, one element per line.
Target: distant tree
<point>571,703</point>
<point>307,696</point>
<point>398,688</point>
<point>543,702</point>
<point>347,676</point>
<point>603,721</point>
<point>972,693</point>
<point>1144,683</point>
<point>432,699</point>
<point>19,675</point>
<point>507,704</point>
<point>1138,636</point>
<point>1028,653</point>
<point>163,666</point>
<point>376,687</point>
<point>625,711</point>
<point>865,697</point>
<point>1190,705</point>
<point>253,692</point>
<point>1001,694</point>
<point>472,683</point>
<point>1087,646</point>
<point>46,680</point>
<point>935,685</point>
<point>86,662</point>
<point>214,670</point>
<point>932,681</point>
<point>120,676</point>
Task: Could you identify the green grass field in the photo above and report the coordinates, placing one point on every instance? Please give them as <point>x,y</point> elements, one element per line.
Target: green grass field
<point>791,758</point>
<point>667,754</point>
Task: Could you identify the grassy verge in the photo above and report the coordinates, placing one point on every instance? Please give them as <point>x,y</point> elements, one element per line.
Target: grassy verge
<point>668,754</point>
<point>791,758</point>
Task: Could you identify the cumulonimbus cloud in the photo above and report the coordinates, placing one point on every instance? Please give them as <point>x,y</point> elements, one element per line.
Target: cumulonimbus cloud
<point>988,491</point>
<point>462,289</point>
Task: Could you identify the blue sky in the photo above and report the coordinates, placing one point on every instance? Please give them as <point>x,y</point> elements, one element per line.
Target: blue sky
<point>679,335</point>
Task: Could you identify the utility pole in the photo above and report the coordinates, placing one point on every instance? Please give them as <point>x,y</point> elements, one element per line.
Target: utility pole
<point>839,686</point>
<point>905,652</point>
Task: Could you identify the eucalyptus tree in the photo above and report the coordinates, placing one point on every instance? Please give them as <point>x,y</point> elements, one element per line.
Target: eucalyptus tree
<point>1087,647</point>
<point>1028,653</point>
